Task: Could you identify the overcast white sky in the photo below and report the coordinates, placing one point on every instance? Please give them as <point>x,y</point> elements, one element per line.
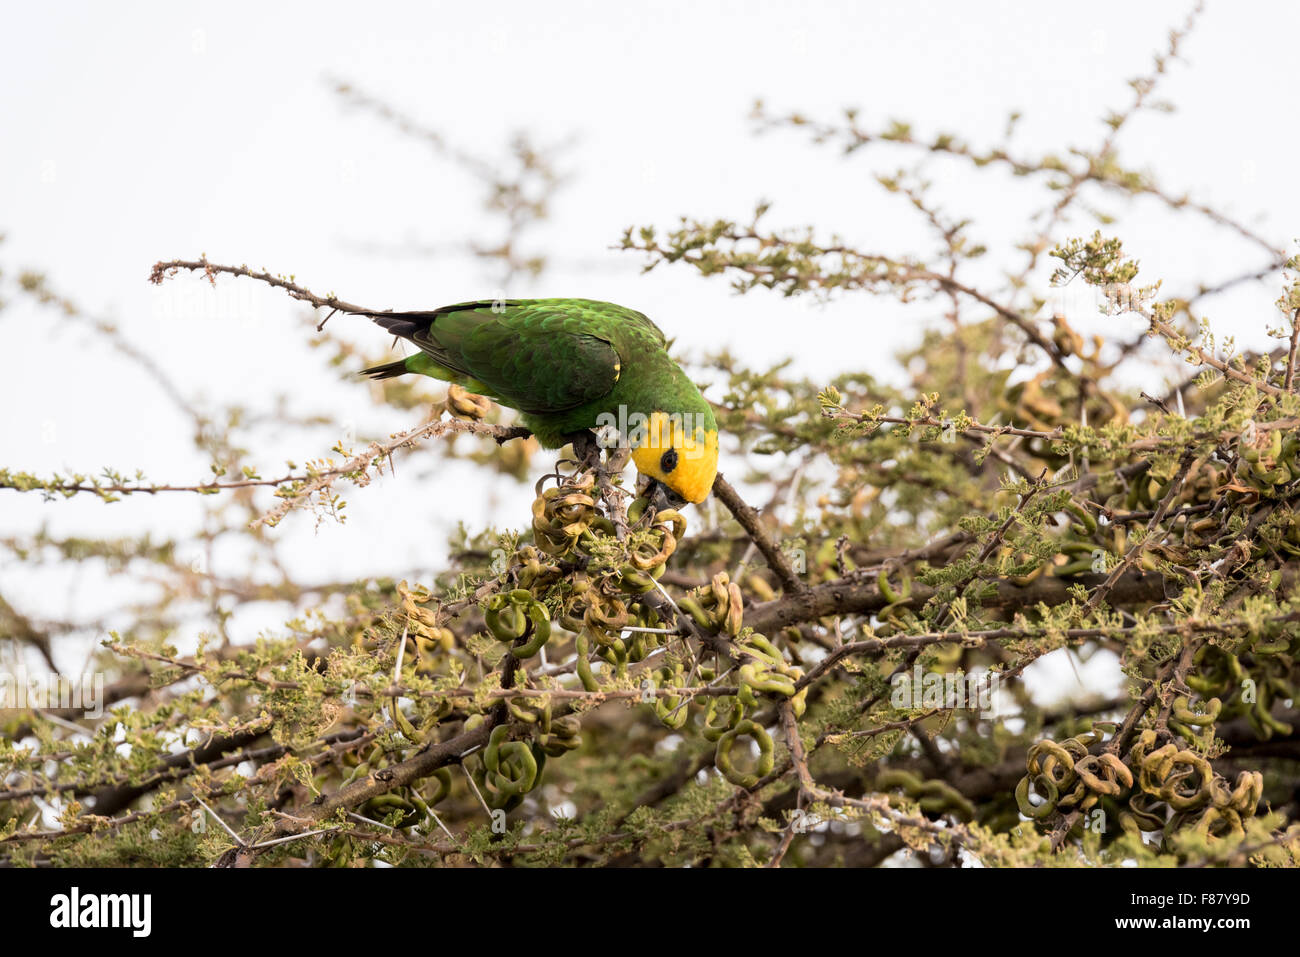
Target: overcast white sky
<point>137,132</point>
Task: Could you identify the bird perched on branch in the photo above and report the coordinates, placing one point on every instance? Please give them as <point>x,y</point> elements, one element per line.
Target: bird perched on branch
<point>570,366</point>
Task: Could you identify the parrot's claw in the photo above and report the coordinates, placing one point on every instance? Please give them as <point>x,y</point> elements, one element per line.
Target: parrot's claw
<point>517,432</point>
<point>588,451</point>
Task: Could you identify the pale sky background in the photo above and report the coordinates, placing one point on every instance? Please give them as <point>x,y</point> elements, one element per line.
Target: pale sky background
<point>132,133</point>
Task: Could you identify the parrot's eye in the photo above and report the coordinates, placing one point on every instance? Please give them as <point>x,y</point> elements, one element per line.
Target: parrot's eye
<point>668,461</point>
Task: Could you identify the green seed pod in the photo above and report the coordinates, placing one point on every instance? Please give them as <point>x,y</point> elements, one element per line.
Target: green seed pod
<point>583,647</point>
<point>720,715</point>
<point>541,625</point>
<point>1087,524</point>
<point>693,608</point>
<point>765,680</point>
<point>633,580</point>
<point>1036,813</point>
<point>404,725</point>
<point>1104,774</point>
<point>443,777</point>
<point>511,765</point>
<point>504,619</point>
<point>722,759</point>
<point>1182,711</point>
<point>886,589</point>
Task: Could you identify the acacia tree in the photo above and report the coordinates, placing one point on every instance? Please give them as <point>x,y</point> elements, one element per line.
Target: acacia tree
<point>731,685</point>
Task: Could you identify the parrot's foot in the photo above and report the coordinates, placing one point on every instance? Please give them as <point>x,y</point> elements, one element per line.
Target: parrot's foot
<point>588,450</point>
<point>517,432</point>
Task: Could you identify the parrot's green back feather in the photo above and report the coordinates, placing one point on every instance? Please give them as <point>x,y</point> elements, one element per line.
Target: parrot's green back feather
<point>567,365</point>
<point>537,357</point>
<point>544,357</point>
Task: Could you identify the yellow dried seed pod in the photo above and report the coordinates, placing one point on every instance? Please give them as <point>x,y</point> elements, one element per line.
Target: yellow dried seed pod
<point>464,404</point>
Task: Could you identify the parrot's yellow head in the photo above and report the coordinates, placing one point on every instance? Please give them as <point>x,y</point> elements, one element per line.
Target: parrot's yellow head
<point>679,453</point>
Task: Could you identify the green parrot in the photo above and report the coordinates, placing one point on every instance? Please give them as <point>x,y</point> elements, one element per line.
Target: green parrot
<point>569,366</point>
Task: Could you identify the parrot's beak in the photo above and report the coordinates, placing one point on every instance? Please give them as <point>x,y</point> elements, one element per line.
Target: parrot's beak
<point>662,497</point>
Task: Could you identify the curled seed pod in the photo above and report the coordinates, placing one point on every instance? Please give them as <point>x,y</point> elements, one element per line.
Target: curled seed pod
<point>606,617</point>
<point>1052,761</point>
<point>562,515</point>
<point>716,594</point>
<point>1187,783</point>
<point>540,623</point>
<point>643,616</point>
<point>504,618</point>
<point>1104,774</point>
<point>724,602</point>
<point>382,805</point>
<point>799,702</point>
<point>511,765</point>
<point>891,779</point>
<point>646,556</point>
<point>722,759</point>
<point>599,526</point>
<point>521,709</point>
<point>635,581</point>
<point>1144,813</point>
<point>747,696</point>
<point>1082,566</point>
<point>534,574</point>
<point>420,620</point>
<point>762,680</point>
<point>574,607</point>
<point>1183,712</point>
<point>891,596</point>
<point>693,608</point>
<point>1077,548</point>
<point>641,645</point>
<point>1280,645</point>
<point>1154,767</point>
<point>572,613</point>
<point>759,645</point>
<point>720,715</point>
<point>1087,524</point>
<point>405,726</point>
<point>733,611</point>
<point>358,773</point>
<point>1219,823</point>
<point>636,508</point>
<point>443,777</point>
<point>495,798</point>
<point>464,404</point>
<point>1096,734</point>
<point>940,797</point>
<point>670,709</point>
<point>564,734</point>
<point>1045,788</point>
<point>767,672</point>
<point>1245,797</point>
<point>673,521</point>
<point>615,655</point>
<point>1265,724</point>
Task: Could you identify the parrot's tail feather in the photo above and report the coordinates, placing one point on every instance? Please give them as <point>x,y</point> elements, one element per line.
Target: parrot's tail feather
<point>400,327</point>
<point>389,370</point>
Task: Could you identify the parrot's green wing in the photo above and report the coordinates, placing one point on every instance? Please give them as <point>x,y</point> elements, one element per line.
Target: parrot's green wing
<point>540,356</point>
